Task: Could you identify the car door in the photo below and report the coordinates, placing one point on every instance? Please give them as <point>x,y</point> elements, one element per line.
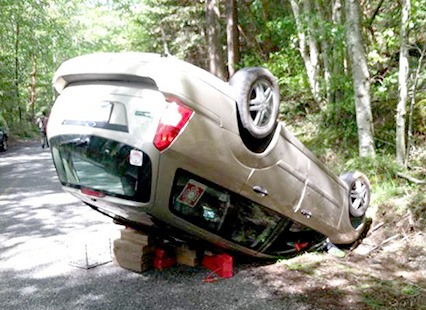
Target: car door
<point>284,180</point>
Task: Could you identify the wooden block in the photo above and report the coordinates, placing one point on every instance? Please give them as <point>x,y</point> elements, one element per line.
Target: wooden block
<point>186,256</point>
<point>187,252</point>
<point>134,265</point>
<point>126,246</point>
<point>136,236</point>
<point>191,262</point>
<point>133,256</point>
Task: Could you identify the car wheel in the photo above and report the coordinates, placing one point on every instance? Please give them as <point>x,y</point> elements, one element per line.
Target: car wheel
<point>359,192</point>
<point>257,100</point>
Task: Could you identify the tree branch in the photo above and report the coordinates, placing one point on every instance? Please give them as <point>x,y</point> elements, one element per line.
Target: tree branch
<point>373,17</point>
<point>410,178</point>
<point>383,243</point>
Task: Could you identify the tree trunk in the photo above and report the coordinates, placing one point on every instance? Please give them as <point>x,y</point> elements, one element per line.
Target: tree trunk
<point>338,55</point>
<point>310,57</point>
<point>232,36</point>
<point>213,40</point>
<point>360,77</point>
<point>413,102</point>
<point>325,50</point>
<point>313,50</point>
<point>17,96</point>
<point>402,84</point>
<point>33,87</point>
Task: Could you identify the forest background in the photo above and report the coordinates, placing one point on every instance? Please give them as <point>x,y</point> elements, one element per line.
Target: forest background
<point>351,74</point>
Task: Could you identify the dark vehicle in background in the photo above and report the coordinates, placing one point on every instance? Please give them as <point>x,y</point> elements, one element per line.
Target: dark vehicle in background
<point>155,142</point>
<point>4,137</point>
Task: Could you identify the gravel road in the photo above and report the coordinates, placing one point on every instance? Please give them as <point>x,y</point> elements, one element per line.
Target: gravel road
<point>45,231</point>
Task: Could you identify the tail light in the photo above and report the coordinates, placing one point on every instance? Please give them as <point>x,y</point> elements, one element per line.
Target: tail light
<point>173,119</point>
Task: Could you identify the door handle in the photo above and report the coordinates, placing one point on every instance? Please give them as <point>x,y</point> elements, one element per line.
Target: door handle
<point>260,190</point>
<point>307,214</point>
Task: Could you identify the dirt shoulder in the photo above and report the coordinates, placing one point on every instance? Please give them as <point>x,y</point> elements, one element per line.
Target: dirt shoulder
<point>387,270</point>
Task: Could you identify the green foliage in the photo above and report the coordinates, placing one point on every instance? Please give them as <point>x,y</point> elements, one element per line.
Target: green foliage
<point>3,122</point>
<point>37,36</point>
<point>380,169</point>
<point>29,35</point>
<point>420,115</point>
<point>288,68</point>
<point>396,293</point>
<point>24,130</point>
<point>171,26</point>
<point>51,31</point>
<point>332,130</point>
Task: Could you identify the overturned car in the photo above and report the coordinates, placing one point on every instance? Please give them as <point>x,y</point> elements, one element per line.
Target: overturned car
<point>157,143</point>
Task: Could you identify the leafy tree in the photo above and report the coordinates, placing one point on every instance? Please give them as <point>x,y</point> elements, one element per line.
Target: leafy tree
<point>38,35</point>
<point>171,26</point>
<point>25,35</point>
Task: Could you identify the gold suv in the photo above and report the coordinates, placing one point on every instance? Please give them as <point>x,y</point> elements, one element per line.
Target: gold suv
<point>157,143</point>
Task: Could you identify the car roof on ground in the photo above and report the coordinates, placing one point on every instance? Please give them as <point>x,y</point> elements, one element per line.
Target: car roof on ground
<point>163,70</point>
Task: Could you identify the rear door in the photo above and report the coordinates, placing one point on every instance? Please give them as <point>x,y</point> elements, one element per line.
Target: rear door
<point>120,110</point>
<point>101,136</point>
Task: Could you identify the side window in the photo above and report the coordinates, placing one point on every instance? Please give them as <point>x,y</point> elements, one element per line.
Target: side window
<point>224,213</point>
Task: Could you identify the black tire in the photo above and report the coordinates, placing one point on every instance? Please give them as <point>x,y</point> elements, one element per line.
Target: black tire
<point>257,99</point>
<point>359,192</point>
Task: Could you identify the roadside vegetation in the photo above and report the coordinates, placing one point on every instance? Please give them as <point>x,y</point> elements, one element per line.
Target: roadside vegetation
<point>386,269</point>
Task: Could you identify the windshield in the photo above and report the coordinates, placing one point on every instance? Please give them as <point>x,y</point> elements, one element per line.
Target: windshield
<point>103,165</point>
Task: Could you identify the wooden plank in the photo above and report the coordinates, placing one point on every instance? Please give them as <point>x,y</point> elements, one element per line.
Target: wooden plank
<point>130,247</point>
<point>138,265</point>
<point>136,236</point>
<point>186,256</point>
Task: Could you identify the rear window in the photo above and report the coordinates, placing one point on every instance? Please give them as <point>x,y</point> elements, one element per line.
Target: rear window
<point>116,107</point>
<point>103,165</point>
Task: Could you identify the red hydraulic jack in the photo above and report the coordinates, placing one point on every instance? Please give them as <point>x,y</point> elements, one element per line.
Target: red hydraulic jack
<point>220,264</point>
<point>164,258</point>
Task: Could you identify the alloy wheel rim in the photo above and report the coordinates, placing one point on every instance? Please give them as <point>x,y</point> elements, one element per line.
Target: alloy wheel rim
<point>261,103</point>
<point>359,194</point>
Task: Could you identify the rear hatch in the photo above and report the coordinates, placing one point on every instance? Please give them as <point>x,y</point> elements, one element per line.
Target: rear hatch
<point>101,137</point>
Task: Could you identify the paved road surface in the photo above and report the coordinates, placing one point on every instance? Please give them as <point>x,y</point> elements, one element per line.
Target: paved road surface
<point>43,233</point>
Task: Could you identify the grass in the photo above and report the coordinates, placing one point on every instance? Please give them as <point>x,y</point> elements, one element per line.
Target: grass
<point>390,294</point>
<point>331,282</point>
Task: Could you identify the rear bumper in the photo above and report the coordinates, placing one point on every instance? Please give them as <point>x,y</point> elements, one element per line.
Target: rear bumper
<point>120,209</point>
